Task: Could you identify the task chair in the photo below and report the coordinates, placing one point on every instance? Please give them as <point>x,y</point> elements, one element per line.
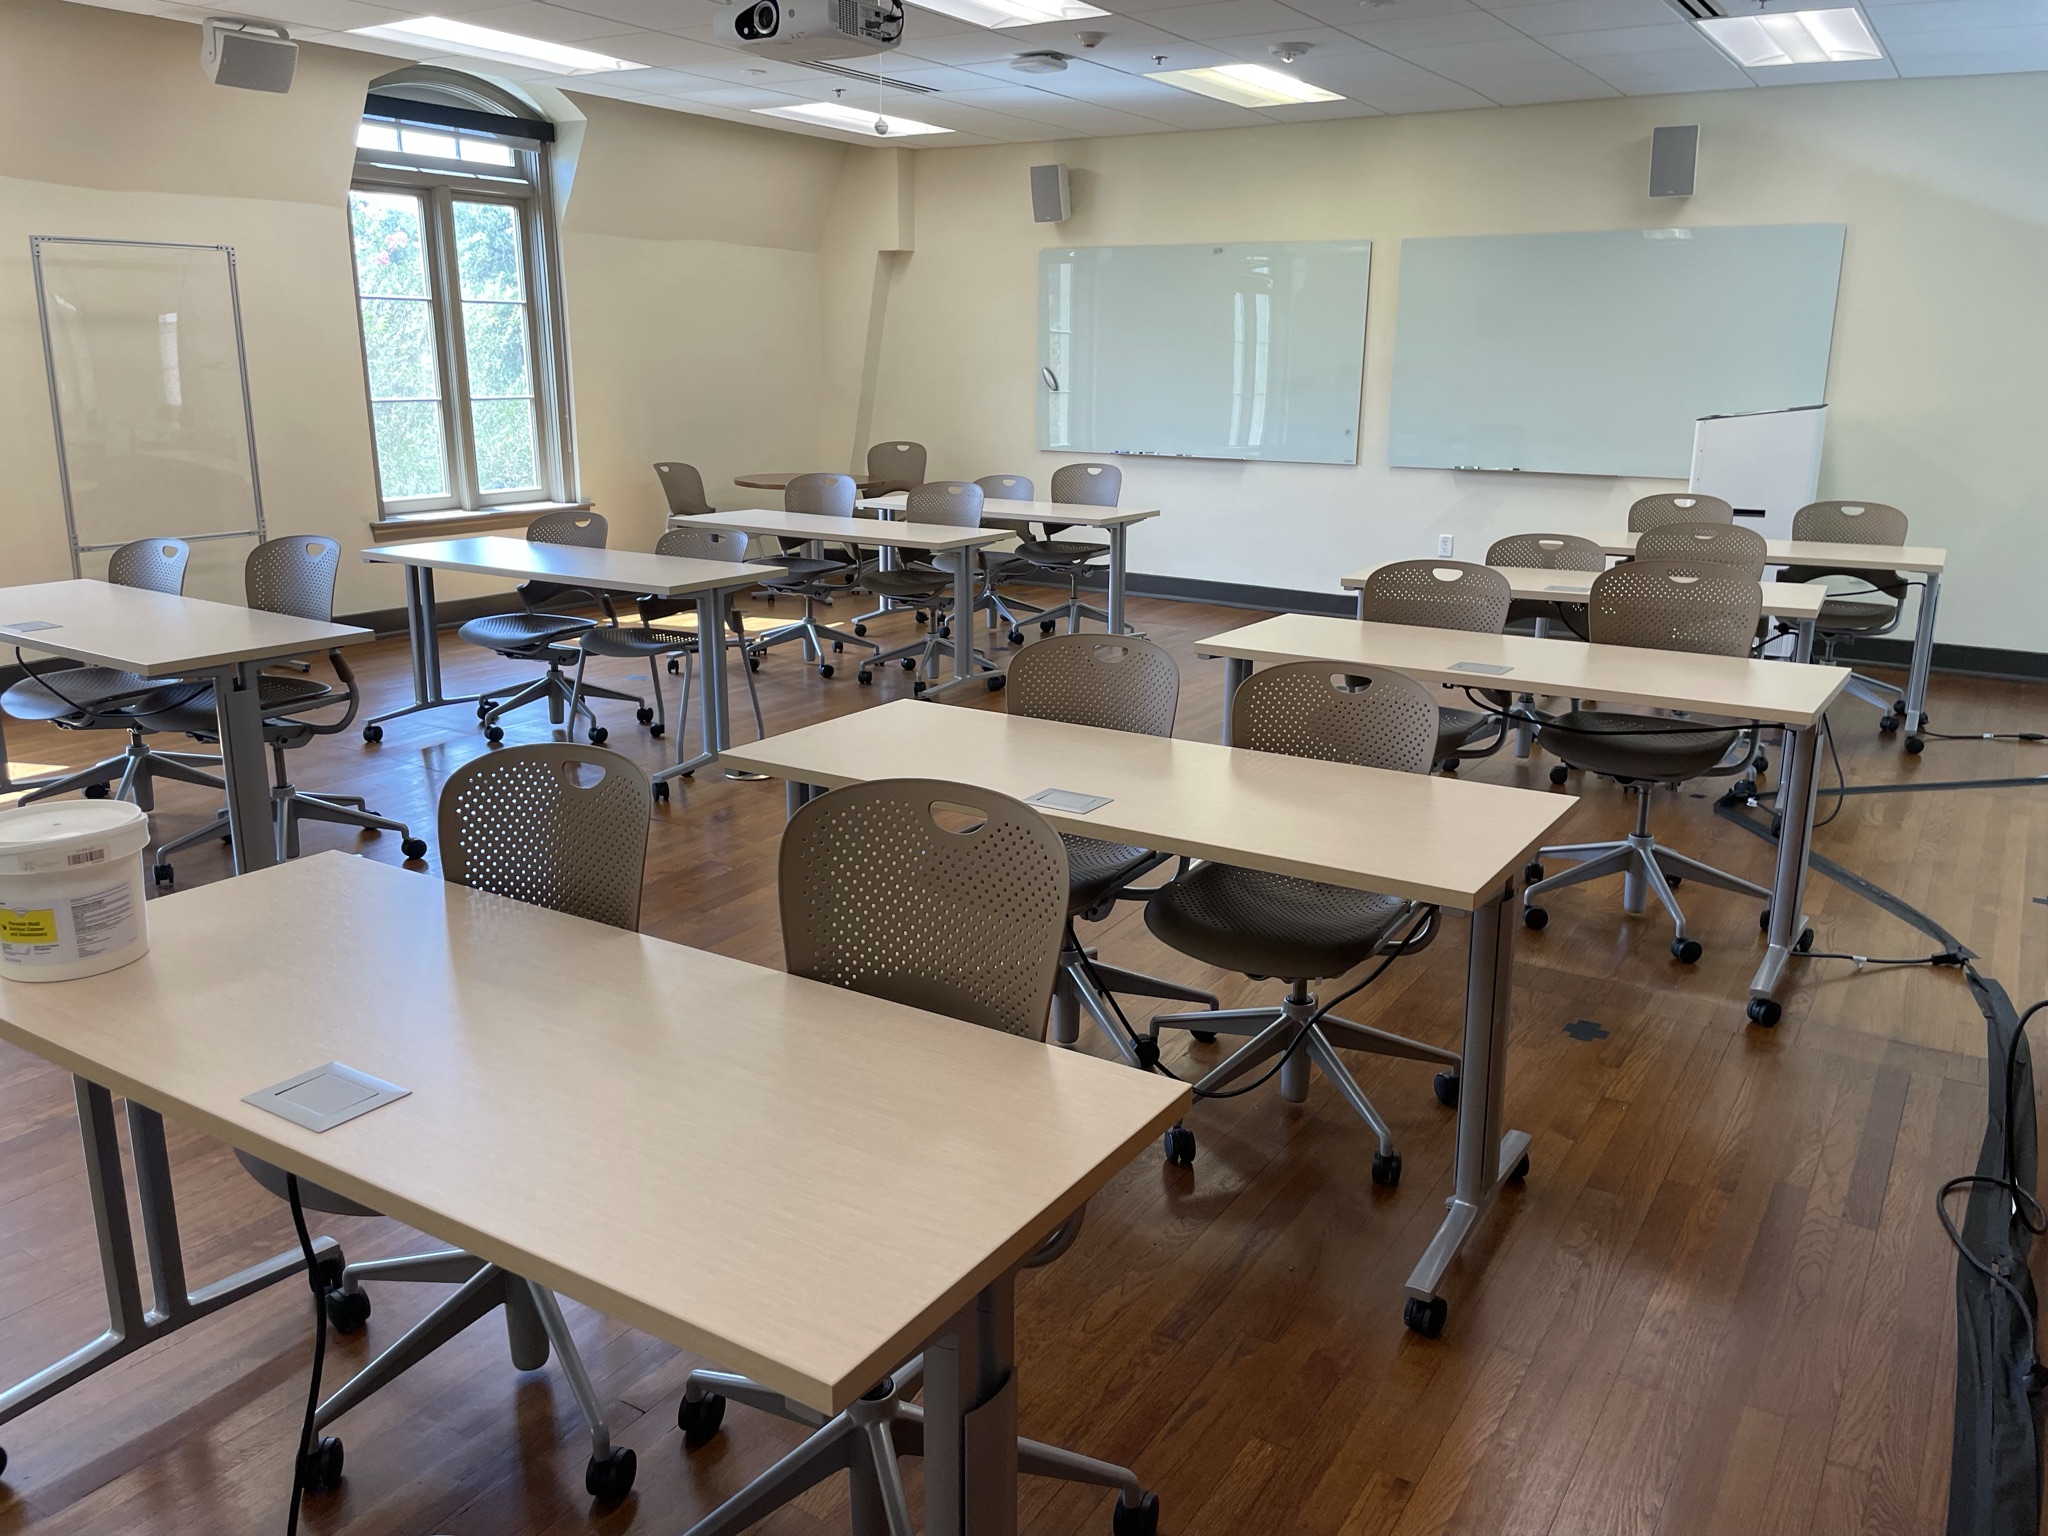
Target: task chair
<point>853,919</point>
<point>526,823</point>
<point>291,575</point>
<point>104,699</point>
<point>814,577</point>
<point>1114,683</point>
<point>1677,507</point>
<point>956,504</point>
<point>683,488</point>
<point>1547,552</point>
<point>1728,544</point>
<point>1876,609</point>
<point>1268,926</point>
<point>655,641</point>
<point>1658,605</point>
<point>894,466</point>
<point>536,635</point>
<point>1445,594</point>
<point>1081,485</point>
<point>1004,565</point>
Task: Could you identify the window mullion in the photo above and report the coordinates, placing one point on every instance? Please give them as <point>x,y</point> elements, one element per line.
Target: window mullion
<point>448,301</point>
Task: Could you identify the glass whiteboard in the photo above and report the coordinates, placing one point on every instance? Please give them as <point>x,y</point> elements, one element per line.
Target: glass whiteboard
<point>1594,354</point>
<point>1204,351</point>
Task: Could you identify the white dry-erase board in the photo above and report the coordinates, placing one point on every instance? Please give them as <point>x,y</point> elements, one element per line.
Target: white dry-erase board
<point>1595,353</point>
<point>1251,351</point>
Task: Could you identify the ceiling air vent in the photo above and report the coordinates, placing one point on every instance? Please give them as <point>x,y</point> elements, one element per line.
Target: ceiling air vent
<point>867,77</point>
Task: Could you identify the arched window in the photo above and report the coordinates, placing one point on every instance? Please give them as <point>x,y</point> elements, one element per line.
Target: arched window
<point>458,291</point>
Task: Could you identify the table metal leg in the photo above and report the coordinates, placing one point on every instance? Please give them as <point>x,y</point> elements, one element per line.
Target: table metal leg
<point>1798,786</point>
<point>965,662</point>
<point>1236,669</point>
<point>1488,1155</point>
<point>423,641</point>
<point>238,717</point>
<point>970,1420</point>
<point>1923,653</point>
<point>717,727</point>
<point>1119,545</point>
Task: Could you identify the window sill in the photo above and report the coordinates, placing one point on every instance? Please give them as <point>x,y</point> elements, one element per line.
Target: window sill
<point>421,525</point>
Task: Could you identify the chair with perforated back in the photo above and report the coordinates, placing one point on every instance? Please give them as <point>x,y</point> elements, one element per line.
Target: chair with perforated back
<point>1271,926</point>
<point>953,504</point>
<point>291,575</point>
<point>1874,606</point>
<point>1113,683</point>
<point>535,634</point>
<point>105,699</point>
<point>1068,560</point>
<point>683,488</point>
<point>814,578</point>
<point>1547,552</point>
<point>863,873</point>
<point>894,466</point>
<point>1658,605</point>
<point>555,825</point>
<point>1006,565</point>
<point>1678,507</point>
<point>1729,544</point>
<point>1444,594</point>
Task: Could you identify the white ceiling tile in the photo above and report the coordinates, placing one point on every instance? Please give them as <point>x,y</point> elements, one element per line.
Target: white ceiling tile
<point>1956,15</point>
<point>1993,63</point>
<point>658,50</point>
<point>1131,46</point>
<point>1677,41</point>
<point>550,22</point>
<point>1230,18</point>
<point>1823,74</point>
<point>746,97</point>
<point>1968,42</point>
<point>1553,16</point>
<point>1439,95</point>
<point>1367,76</point>
<point>1440,31</point>
<point>1063,111</point>
<point>1625,76</point>
<point>1349,14</point>
<point>1495,56</point>
<point>1528,84</point>
<point>325,15</point>
<point>1324,42</point>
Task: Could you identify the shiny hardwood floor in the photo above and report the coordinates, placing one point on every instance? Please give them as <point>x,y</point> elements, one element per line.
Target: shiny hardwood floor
<point>1720,1304</point>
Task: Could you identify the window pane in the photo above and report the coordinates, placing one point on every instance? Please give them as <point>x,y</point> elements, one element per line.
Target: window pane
<point>398,344</point>
<point>504,446</point>
<point>376,136</point>
<point>487,251</point>
<point>390,254</point>
<point>495,337</point>
<point>410,457</point>
<point>440,145</point>
<point>486,151</point>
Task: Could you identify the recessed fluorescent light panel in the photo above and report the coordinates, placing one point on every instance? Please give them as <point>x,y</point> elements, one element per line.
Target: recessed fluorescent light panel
<point>507,47</point>
<point>1013,13</point>
<point>1793,37</point>
<point>832,114</point>
<point>1246,85</point>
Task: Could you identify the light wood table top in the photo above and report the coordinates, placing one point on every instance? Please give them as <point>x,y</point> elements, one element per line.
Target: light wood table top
<point>799,1182</point>
<point>1781,599</point>
<point>156,634</point>
<point>778,479</point>
<point>1844,557</point>
<point>1407,834</point>
<point>853,530</point>
<point>608,570</point>
<point>1036,511</point>
<point>1782,692</point>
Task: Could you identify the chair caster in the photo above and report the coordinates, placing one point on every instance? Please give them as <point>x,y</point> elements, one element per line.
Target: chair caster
<point>644,715</point>
<point>753,663</point>
<point>1686,951</point>
<point>611,1479</point>
<point>838,645</point>
<point>1446,1086</point>
<point>908,663</point>
<point>863,677</point>
<point>674,666</point>
<point>1016,637</point>
<point>1426,1317</point>
<point>163,874</point>
<point>1202,1036</point>
<point>1760,762</point>
<point>599,735</point>
<point>1180,1147</point>
<point>1674,881</point>
<point>1559,774</point>
<point>1047,626</point>
<point>923,617</point>
<point>494,734</point>
<point>414,847</point>
<point>661,790</point>
<point>860,629</point>
<point>657,731</point>
<point>1915,746</point>
<point>1890,723</point>
<point>1386,1169</point>
<point>918,687</point>
<point>1804,943</point>
<point>1535,917</point>
<point>3,1460</point>
<point>320,1468</point>
<point>1532,872</point>
<point>1763,921</point>
<point>699,1418</point>
<point>996,682</point>
<point>483,709</point>
<point>372,734</point>
<point>347,1311</point>
<point>1765,1011</point>
<point>1449,765</point>
<point>824,669</point>
<point>97,791</point>
<point>1520,1171</point>
<point>1139,1519</point>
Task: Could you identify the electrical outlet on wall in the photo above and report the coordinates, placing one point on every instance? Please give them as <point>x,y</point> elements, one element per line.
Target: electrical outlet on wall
<point>1445,543</point>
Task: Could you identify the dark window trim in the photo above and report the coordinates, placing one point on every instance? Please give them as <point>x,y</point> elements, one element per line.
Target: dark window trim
<point>432,113</point>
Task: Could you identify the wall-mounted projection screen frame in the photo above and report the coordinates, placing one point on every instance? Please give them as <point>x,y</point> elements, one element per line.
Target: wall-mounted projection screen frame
<point>1248,351</point>
<point>149,399</point>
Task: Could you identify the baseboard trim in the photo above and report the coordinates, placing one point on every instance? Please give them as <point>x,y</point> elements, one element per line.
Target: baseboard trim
<point>449,611</point>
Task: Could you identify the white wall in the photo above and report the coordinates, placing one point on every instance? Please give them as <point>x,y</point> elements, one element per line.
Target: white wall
<point>1939,383</point>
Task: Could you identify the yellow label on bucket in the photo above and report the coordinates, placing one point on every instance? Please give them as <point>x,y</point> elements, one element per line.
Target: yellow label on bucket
<point>35,926</point>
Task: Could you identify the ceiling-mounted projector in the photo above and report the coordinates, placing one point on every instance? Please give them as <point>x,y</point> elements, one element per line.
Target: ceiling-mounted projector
<point>813,29</point>
<point>233,54</point>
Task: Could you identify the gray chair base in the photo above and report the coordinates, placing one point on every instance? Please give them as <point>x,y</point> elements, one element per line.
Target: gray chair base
<point>134,774</point>
<point>1646,868</point>
<point>864,1441</point>
<point>1081,984</point>
<point>813,634</point>
<point>290,805</point>
<point>563,696</point>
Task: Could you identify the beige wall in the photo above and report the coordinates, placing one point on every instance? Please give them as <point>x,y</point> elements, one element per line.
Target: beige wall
<point>1939,383</point>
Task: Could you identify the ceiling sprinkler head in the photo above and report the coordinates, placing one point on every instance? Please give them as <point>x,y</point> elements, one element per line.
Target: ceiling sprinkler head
<point>1287,53</point>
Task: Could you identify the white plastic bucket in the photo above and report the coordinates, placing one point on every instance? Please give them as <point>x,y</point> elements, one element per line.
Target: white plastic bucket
<point>71,894</point>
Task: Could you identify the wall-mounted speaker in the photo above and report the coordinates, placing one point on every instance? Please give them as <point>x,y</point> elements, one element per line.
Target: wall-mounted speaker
<point>1049,202</point>
<point>252,60</point>
<point>1674,160</point>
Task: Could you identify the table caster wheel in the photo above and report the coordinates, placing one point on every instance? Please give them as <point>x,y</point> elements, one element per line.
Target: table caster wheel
<point>1426,1317</point>
<point>699,1418</point>
<point>1520,1171</point>
<point>610,1479</point>
<point>494,734</point>
<point>908,663</point>
<point>644,715</point>
<point>661,790</point>
<point>320,1468</point>
<point>1763,921</point>
<point>347,1311</point>
<point>1686,951</point>
<point>824,669</point>
<point>1559,774</point>
<point>1386,1169</point>
<point>657,731</point>
<point>1139,1519</point>
<point>598,735</point>
<point>996,682</point>
<point>860,629</point>
<point>163,874</point>
<point>1765,1011</point>
<point>1535,917</point>
<point>372,734</point>
<point>1446,1086</point>
<point>863,677</point>
<point>1804,943</point>
<point>1180,1147</point>
<point>1532,872</point>
<point>1915,746</point>
<point>1016,637</point>
<point>97,791</point>
<point>414,847</point>
<point>1202,1036</point>
<point>1047,626</point>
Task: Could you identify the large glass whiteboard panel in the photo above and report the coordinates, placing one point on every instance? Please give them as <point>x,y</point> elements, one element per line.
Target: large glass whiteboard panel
<point>150,399</point>
<point>1595,353</point>
<point>1204,351</point>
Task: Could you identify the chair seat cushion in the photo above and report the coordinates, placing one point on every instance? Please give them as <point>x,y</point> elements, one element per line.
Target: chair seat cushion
<point>96,688</point>
<point>1261,924</point>
<point>1455,727</point>
<point>312,1197</point>
<point>909,581</point>
<point>796,567</point>
<point>517,633</point>
<point>634,642</point>
<point>1848,614</point>
<point>1060,551</point>
<point>1095,869</point>
<point>1634,746</point>
<point>193,713</point>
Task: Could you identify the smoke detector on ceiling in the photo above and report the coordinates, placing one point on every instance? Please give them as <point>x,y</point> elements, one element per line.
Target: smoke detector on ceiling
<point>1041,62</point>
<point>1090,39</point>
<point>1287,53</point>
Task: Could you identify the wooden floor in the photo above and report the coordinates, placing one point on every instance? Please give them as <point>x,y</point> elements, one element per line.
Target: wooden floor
<point>1721,1303</point>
